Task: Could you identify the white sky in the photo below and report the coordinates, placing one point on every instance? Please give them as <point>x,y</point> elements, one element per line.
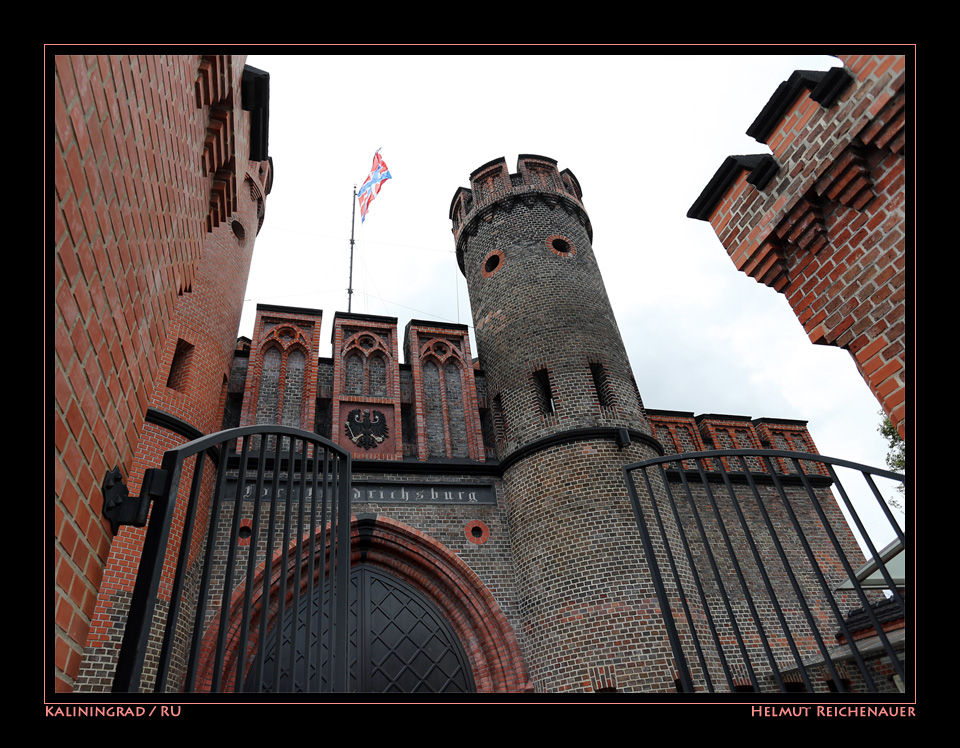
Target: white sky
<point>642,133</point>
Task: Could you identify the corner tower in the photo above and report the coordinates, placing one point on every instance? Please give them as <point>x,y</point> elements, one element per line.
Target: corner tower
<point>567,417</point>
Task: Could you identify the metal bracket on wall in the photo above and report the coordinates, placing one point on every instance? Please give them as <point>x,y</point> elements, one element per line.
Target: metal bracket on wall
<point>123,509</point>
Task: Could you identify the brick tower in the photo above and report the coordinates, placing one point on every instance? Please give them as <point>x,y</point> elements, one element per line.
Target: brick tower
<point>822,219</point>
<point>567,417</point>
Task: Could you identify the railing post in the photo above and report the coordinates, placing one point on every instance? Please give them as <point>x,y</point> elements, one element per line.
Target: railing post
<point>136,634</point>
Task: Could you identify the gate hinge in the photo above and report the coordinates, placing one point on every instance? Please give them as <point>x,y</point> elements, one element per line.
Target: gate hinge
<point>123,509</point>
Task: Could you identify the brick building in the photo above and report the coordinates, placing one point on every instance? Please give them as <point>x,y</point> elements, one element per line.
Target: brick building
<point>821,218</point>
<point>161,174</point>
<point>494,537</point>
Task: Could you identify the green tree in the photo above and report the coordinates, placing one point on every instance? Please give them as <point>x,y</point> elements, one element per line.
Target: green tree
<point>896,457</point>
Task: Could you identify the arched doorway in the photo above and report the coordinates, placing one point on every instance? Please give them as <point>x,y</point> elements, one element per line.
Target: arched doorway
<point>461,630</point>
<point>400,642</point>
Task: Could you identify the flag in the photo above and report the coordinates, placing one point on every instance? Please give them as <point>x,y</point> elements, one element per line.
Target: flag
<point>379,173</point>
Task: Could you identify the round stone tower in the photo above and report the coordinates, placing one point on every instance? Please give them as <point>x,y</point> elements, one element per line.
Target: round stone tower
<point>568,417</point>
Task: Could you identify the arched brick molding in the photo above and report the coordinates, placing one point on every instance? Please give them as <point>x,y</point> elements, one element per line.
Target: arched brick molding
<point>429,567</point>
<point>436,571</point>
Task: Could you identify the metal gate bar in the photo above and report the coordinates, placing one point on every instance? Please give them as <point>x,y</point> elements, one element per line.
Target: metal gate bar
<point>237,600</point>
<point>696,544</point>
<point>768,585</point>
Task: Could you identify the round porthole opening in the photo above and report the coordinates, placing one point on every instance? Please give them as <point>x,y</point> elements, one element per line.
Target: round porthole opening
<point>244,533</point>
<point>493,262</point>
<point>477,532</point>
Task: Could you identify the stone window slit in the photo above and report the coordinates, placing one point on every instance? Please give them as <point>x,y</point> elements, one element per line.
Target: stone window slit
<point>180,367</point>
<point>499,427</point>
<point>543,392</point>
<point>602,384</point>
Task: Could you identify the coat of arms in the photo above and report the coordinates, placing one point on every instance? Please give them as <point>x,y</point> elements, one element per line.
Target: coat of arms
<point>367,429</point>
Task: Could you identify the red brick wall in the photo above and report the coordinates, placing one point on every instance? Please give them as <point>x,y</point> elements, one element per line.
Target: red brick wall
<point>144,155</point>
<point>827,230</point>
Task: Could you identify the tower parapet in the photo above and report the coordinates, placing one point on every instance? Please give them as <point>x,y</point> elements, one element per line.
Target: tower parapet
<point>493,187</point>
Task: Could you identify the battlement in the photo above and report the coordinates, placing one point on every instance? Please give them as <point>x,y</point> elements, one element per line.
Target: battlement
<point>681,432</point>
<point>820,219</point>
<point>811,119</point>
<point>493,187</point>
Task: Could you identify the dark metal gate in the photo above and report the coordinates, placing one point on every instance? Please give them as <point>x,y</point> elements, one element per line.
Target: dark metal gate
<point>761,581</point>
<point>246,522</point>
<point>399,642</point>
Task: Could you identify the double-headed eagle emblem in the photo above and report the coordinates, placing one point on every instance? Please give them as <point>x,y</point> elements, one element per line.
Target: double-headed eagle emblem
<point>365,430</point>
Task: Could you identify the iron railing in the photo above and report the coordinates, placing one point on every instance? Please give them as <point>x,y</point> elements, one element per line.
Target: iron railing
<point>760,578</point>
<point>265,520</point>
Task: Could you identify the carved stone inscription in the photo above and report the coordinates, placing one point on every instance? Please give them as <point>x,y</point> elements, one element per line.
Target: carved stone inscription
<point>384,493</point>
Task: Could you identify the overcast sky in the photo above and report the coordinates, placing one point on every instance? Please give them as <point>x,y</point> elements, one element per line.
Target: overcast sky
<point>643,134</point>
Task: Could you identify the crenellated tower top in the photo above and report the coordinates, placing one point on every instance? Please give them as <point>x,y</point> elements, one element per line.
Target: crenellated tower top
<point>544,327</point>
<point>492,187</point>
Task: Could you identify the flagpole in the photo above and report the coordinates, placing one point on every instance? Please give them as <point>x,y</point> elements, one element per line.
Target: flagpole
<point>379,173</point>
<point>353,223</point>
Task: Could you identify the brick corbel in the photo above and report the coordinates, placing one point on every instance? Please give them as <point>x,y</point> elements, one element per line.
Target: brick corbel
<point>802,230</point>
<point>887,129</point>
<point>768,265</point>
<point>218,144</point>
<point>529,199</point>
<point>222,196</point>
<point>804,227</point>
<point>213,89</point>
<point>847,181</point>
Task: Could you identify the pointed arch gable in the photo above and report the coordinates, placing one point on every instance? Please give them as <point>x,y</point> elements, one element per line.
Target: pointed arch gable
<point>353,341</point>
<point>367,369</point>
<point>440,349</point>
